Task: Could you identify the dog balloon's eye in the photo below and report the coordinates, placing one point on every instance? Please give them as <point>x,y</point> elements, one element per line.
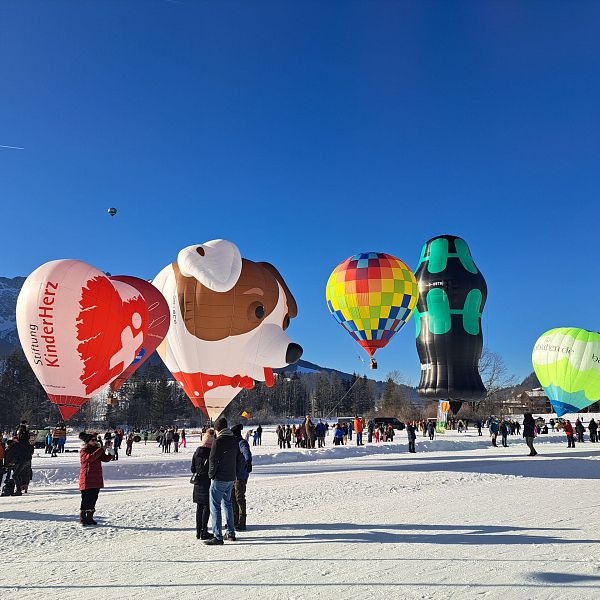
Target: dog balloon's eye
<point>286,322</point>
<point>259,312</point>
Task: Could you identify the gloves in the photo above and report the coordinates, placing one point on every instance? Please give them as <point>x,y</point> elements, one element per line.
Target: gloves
<point>249,466</point>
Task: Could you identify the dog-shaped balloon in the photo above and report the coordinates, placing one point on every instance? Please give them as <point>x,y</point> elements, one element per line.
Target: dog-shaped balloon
<point>228,322</point>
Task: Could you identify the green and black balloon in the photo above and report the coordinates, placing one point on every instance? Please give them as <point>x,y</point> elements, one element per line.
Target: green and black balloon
<point>452,294</point>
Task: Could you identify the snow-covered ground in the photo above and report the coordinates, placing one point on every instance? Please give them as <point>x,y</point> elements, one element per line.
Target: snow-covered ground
<point>459,519</point>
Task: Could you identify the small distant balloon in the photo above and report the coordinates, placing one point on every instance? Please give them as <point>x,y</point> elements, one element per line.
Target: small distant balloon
<point>112,211</point>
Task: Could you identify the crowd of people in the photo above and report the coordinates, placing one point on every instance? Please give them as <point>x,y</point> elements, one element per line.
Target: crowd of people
<point>220,476</point>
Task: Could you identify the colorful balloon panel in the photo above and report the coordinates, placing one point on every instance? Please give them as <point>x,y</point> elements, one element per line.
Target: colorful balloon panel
<point>452,296</point>
<point>79,330</point>
<point>158,325</point>
<point>566,360</point>
<point>372,295</point>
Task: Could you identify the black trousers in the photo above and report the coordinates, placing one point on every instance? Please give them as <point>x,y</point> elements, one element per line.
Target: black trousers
<point>529,441</point>
<point>571,441</point>
<point>89,499</point>
<point>505,439</point>
<point>202,514</point>
<point>411,446</point>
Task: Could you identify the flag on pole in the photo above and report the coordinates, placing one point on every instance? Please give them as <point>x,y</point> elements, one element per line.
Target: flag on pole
<point>246,415</point>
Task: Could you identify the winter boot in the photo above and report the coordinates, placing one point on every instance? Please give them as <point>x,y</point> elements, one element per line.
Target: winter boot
<point>204,535</point>
<point>241,526</point>
<point>214,542</point>
<point>82,517</point>
<point>230,537</point>
<point>87,518</point>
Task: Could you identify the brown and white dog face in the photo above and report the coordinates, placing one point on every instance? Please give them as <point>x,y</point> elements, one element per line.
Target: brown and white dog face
<point>214,316</point>
<point>228,322</point>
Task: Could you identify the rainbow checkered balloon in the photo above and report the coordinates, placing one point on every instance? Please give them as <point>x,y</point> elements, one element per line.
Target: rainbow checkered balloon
<point>372,295</point>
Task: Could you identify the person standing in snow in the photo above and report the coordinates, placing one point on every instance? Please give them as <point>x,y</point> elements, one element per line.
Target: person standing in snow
<point>259,438</point>
<point>18,460</point>
<point>129,443</point>
<point>370,430</point>
<point>309,428</point>
<point>200,464</point>
<point>569,432</point>
<point>359,425</point>
<point>529,432</point>
<point>504,433</point>
<point>244,468</point>
<point>183,440</point>
<point>288,436</point>
<point>593,429</point>
<point>412,437</point>
<point>579,430</point>
<point>494,428</point>
<point>222,470</point>
<point>431,429</point>
<point>91,457</point>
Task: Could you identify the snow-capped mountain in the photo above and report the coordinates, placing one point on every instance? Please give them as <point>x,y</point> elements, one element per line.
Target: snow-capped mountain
<point>9,290</point>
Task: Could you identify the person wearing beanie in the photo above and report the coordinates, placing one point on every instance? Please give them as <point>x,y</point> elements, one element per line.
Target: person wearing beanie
<point>202,485</point>
<point>222,470</point>
<point>91,457</point>
<point>244,468</point>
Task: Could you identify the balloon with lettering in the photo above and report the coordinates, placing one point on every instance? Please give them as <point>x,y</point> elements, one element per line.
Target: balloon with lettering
<point>228,321</point>
<point>158,325</point>
<point>372,295</point>
<point>79,330</point>
<point>566,360</point>
<point>448,321</point>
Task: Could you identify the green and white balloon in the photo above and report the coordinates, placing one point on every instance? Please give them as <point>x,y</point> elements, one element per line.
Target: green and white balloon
<point>567,363</point>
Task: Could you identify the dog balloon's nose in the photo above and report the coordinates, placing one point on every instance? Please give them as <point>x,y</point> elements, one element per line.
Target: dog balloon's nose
<point>293,354</point>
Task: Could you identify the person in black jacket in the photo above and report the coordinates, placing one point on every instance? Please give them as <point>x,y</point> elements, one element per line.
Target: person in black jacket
<point>244,468</point>
<point>200,462</point>
<point>593,429</point>
<point>18,458</point>
<point>529,432</point>
<point>412,437</point>
<point>222,470</point>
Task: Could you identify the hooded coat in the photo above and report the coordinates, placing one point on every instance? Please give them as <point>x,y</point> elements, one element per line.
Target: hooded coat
<point>90,474</point>
<point>223,457</point>
<point>200,463</point>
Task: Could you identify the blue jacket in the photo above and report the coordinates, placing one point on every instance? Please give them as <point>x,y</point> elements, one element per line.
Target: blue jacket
<point>244,460</point>
<point>320,430</point>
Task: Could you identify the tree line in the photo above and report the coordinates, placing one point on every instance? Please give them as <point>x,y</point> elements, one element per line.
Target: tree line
<point>151,399</point>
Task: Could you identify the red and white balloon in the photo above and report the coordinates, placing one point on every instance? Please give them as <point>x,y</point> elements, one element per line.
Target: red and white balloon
<point>79,329</point>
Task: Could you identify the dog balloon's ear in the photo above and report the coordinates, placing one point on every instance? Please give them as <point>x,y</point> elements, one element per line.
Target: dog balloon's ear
<point>216,264</point>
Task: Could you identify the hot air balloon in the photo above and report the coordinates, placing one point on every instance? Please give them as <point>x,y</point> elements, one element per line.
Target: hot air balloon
<point>158,325</point>
<point>448,321</point>
<point>228,317</point>
<point>112,211</point>
<point>567,363</point>
<point>372,295</point>
<point>79,330</point>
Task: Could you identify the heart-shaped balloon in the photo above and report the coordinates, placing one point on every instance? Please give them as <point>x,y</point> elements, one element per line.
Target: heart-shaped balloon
<point>158,325</point>
<point>79,330</point>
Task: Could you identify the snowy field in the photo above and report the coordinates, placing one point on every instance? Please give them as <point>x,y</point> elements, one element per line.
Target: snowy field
<point>459,519</point>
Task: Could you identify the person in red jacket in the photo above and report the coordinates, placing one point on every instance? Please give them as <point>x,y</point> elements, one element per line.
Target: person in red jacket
<point>569,431</point>
<point>91,457</point>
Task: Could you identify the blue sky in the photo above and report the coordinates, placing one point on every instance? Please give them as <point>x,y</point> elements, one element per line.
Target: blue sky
<point>306,132</point>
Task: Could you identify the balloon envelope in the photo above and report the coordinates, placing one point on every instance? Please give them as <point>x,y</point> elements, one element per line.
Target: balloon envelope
<point>372,295</point>
<point>158,325</point>
<point>78,329</point>
<point>112,211</point>
<point>566,360</point>
<point>228,317</point>
<point>448,320</point>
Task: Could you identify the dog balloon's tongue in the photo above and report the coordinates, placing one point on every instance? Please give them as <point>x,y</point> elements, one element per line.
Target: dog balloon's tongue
<point>269,377</point>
